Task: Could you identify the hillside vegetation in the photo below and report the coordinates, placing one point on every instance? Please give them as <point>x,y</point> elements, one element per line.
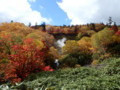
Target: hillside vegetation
<point>89,61</point>
<point>104,77</point>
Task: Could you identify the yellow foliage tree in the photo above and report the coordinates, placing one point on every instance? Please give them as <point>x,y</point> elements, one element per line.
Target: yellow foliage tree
<point>102,38</point>
<point>100,41</point>
<point>15,27</point>
<point>42,36</point>
<point>54,52</point>
<point>71,46</point>
<point>85,45</point>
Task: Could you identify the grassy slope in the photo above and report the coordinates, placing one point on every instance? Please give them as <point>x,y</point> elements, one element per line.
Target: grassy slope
<point>84,78</point>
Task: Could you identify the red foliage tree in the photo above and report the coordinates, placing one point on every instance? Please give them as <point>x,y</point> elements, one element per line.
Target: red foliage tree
<point>27,59</point>
<point>117,33</point>
<point>114,27</point>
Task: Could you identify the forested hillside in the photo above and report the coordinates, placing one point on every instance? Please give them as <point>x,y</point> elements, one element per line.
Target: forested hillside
<point>89,60</point>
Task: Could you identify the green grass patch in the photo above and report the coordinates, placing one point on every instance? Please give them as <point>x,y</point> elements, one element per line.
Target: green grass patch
<point>84,78</point>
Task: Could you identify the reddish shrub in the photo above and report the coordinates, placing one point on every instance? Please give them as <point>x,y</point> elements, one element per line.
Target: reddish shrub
<point>117,33</point>
<point>26,59</point>
<point>115,28</point>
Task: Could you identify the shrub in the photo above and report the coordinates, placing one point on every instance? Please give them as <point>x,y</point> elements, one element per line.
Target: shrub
<point>112,67</point>
<point>102,38</point>
<point>95,62</point>
<point>77,58</point>
<point>71,46</point>
<point>82,59</point>
<point>68,61</point>
<point>79,36</point>
<point>116,38</point>
<point>114,49</point>
<point>27,59</point>
<point>50,60</point>
<point>100,41</point>
<point>85,45</point>
<point>18,28</point>
<point>42,36</point>
<point>99,27</point>
<point>7,40</point>
<point>51,56</point>
<point>84,78</point>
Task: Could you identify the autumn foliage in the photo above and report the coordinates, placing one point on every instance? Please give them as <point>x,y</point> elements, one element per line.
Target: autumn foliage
<point>20,55</point>
<point>25,50</point>
<point>26,59</point>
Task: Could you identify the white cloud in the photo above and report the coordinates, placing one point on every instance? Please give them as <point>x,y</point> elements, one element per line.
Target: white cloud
<point>86,11</point>
<point>32,0</point>
<point>20,11</point>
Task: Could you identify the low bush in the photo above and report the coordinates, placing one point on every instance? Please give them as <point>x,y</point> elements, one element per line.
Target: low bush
<point>76,58</point>
<point>112,67</point>
<point>68,61</point>
<point>83,78</point>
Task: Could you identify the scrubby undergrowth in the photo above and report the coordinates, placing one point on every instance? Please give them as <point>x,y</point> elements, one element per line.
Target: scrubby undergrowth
<point>106,77</point>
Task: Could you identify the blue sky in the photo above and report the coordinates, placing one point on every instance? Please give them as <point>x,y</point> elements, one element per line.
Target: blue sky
<point>50,9</point>
<point>59,12</point>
